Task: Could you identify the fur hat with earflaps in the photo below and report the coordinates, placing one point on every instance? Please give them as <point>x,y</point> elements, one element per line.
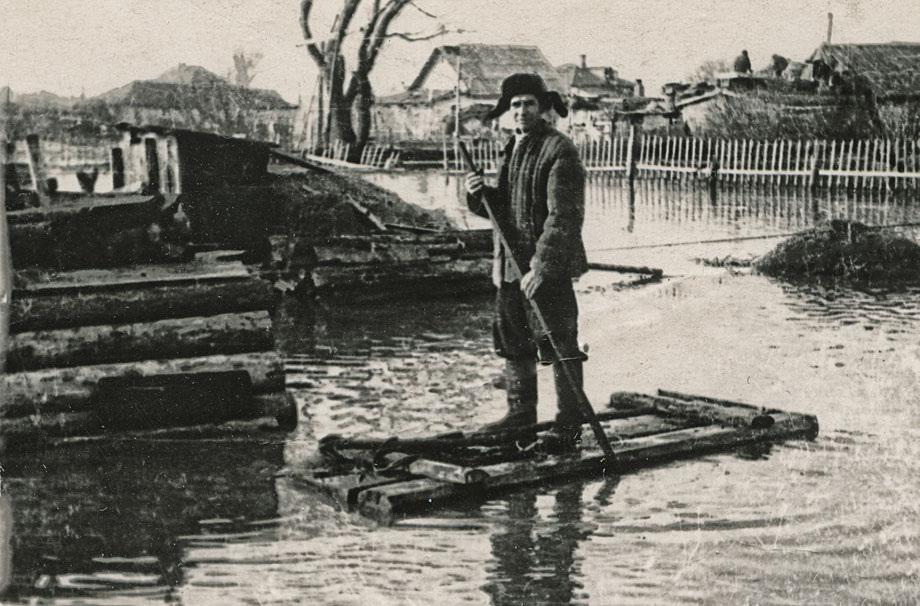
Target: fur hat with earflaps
<point>527,84</point>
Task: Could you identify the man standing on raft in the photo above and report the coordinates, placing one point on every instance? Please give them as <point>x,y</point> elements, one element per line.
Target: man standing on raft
<point>539,206</point>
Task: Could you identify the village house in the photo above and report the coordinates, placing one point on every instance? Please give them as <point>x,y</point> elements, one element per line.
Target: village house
<point>191,97</point>
<point>426,110</point>
<point>594,95</point>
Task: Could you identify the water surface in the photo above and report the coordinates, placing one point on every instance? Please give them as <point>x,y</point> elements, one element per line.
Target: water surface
<point>834,521</point>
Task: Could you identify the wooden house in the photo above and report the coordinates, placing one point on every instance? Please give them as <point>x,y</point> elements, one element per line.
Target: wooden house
<point>193,98</point>
<point>595,83</point>
<point>426,110</point>
<point>174,161</point>
<point>890,70</point>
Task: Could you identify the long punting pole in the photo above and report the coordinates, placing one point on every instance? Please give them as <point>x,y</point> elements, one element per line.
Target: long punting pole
<point>586,410</point>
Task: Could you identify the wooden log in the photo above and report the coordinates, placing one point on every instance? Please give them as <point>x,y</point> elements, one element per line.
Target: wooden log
<point>436,470</point>
<point>171,338</point>
<point>702,409</point>
<point>275,411</point>
<point>626,269</point>
<point>382,281</point>
<point>353,278</point>
<point>39,282</point>
<point>132,305</point>
<point>65,389</point>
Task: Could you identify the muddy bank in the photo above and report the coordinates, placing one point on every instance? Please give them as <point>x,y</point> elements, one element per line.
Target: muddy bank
<point>321,203</point>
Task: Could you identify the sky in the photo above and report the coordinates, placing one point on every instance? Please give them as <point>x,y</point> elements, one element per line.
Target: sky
<point>71,47</point>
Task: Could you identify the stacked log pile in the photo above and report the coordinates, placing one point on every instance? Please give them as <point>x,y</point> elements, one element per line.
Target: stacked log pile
<point>388,263</point>
<point>138,348</point>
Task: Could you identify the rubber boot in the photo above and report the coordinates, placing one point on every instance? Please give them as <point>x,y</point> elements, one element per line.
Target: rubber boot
<point>569,418</point>
<point>521,379</point>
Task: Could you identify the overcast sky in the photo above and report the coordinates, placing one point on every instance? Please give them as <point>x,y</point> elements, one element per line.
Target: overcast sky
<point>69,46</point>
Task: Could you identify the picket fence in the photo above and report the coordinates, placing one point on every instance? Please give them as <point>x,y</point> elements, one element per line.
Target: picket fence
<point>853,164</point>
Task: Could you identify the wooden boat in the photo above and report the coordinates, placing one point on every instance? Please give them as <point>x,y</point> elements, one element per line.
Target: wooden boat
<point>383,479</point>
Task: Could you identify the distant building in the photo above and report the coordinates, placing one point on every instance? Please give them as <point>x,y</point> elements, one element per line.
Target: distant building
<point>191,97</point>
<point>595,83</point>
<point>890,70</point>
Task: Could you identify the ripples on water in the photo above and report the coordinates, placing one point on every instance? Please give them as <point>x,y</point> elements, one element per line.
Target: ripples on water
<point>833,521</point>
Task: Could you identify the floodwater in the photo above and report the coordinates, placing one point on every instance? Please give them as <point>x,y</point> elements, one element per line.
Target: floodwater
<point>834,521</point>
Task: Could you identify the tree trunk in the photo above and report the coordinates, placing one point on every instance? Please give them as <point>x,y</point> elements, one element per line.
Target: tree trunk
<point>361,116</point>
<point>174,338</point>
<point>340,128</point>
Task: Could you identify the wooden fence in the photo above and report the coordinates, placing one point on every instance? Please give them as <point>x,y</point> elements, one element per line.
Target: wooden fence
<point>374,157</point>
<point>875,164</point>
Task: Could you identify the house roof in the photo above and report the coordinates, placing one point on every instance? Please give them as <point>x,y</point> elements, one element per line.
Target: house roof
<point>420,96</point>
<point>484,66</point>
<point>592,78</point>
<point>893,69</point>
<point>191,87</point>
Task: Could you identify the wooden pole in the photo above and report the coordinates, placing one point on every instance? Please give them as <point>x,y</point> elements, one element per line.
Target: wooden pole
<point>36,169</point>
<point>6,266</point>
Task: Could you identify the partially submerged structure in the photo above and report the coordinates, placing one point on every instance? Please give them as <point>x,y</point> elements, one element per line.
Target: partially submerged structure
<point>175,160</point>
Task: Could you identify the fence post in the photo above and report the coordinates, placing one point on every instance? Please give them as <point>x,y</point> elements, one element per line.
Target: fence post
<point>815,167</point>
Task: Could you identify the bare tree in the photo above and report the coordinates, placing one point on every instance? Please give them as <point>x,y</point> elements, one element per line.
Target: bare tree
<point>244,66</point>
<point>348,108</point>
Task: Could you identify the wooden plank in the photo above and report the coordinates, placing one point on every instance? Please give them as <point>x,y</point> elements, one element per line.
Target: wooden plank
<point>384,503</point>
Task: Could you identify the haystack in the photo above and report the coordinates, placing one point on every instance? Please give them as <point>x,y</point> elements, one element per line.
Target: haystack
<point>845,251</point>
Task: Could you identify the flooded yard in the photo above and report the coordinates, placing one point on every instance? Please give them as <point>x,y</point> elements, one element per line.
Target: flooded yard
<point>834,521</point>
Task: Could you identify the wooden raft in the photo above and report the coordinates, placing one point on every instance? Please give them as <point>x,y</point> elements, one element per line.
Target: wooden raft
<point>644,430</point>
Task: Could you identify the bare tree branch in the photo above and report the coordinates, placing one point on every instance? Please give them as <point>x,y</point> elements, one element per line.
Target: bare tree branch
<point>420,37</point>
<point>315,52</point>
<point>423,11</point>
<point>389,12</point>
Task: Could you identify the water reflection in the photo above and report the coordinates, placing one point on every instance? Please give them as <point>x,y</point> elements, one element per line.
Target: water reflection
<point>535,553</point>
<point>109,520</point>
<point>834,521</point>
<point>660,211</point>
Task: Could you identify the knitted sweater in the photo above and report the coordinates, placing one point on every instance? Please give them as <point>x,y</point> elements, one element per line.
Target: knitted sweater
<point>539,204</point>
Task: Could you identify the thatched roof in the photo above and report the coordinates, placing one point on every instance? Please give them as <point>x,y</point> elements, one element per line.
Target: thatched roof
<point>892,69</point>
<point>165,95</point>
<point>191,87</point>
<point>484,66</point>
